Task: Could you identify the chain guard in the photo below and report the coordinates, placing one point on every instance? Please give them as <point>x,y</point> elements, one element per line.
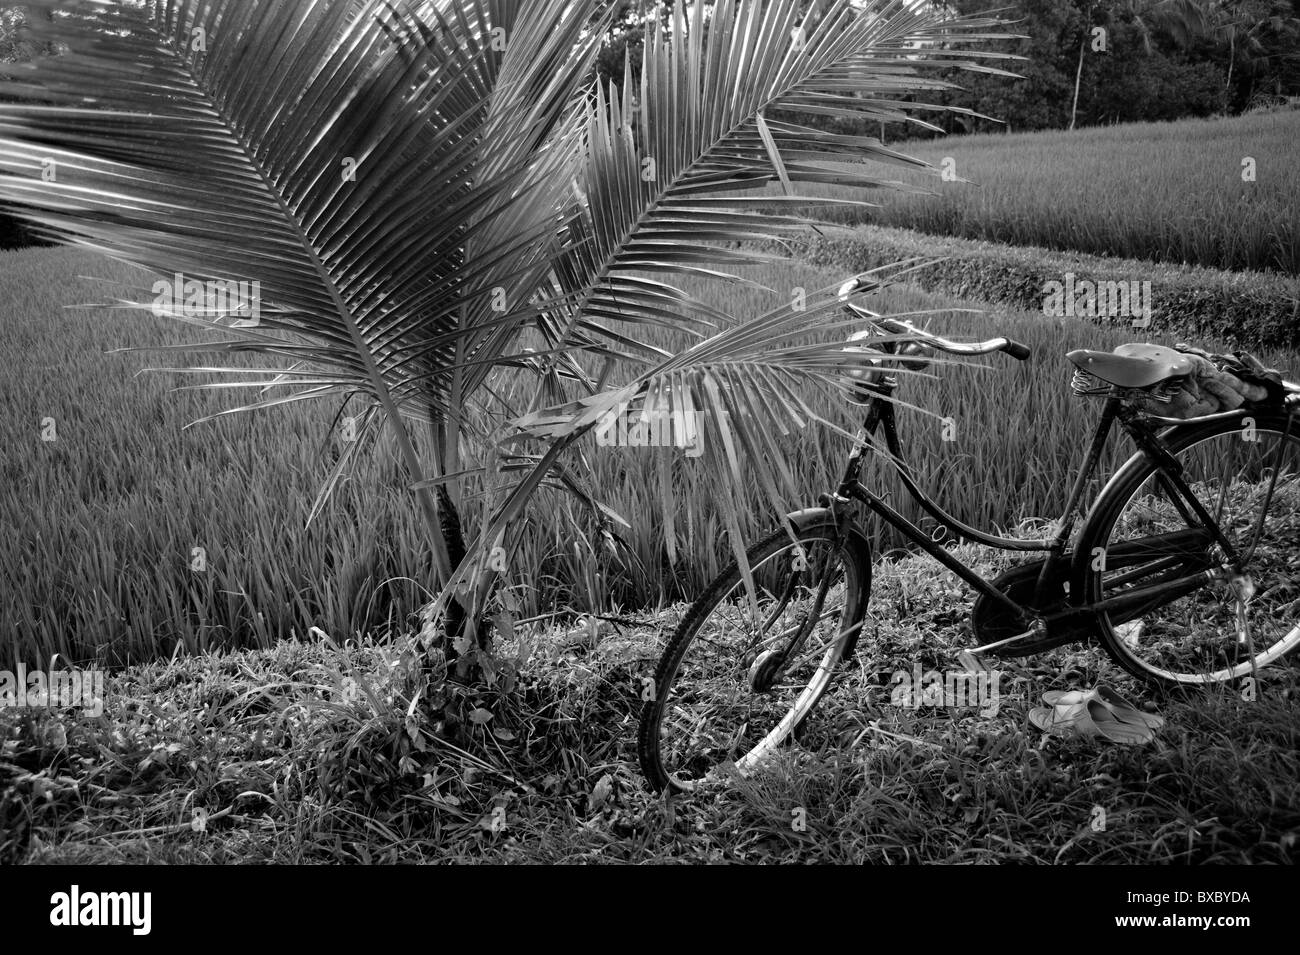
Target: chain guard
<point>991,621</point>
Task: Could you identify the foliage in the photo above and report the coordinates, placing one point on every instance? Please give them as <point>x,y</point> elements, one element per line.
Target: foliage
<point>419,187</point>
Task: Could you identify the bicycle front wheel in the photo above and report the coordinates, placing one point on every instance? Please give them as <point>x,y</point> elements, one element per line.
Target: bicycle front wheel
<point>740,675</point>
<point>1181,613</point>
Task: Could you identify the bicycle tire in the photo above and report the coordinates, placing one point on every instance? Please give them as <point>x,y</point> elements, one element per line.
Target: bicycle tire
<point>1186,644</point>
<point>856,556</point>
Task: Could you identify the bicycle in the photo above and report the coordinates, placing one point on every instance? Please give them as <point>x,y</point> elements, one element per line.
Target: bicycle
<point>1180,570</point>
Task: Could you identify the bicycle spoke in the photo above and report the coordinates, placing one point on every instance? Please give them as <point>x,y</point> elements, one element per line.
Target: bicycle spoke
<point>751,672</point>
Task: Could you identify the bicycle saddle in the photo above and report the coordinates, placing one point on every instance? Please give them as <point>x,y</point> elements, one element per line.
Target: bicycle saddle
<point>1134,365</point>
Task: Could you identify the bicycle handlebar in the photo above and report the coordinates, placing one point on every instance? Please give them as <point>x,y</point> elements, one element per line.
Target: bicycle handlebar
<point>895,326</point>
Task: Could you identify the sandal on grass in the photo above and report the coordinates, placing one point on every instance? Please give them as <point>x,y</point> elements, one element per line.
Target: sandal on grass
<point>1070,719</point>
<point>1125,710</point>
<point>1096,712</point>
<point>1114,728</point>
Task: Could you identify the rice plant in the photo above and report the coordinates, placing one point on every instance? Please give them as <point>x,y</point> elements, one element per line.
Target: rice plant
<point>1219,193</point>
<point>102,523</point>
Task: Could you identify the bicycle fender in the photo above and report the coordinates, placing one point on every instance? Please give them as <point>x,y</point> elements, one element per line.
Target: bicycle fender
<point>856,543</point>
<point>811,517</point>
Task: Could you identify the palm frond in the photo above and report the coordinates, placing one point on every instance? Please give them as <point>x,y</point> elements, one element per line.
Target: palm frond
<point>732,397</point>
<point>304,148</point>
<point>671,162</point>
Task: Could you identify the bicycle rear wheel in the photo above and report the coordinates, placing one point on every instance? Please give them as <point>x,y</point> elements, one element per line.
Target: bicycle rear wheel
<point>738,678</point>
<point>1144,536</point>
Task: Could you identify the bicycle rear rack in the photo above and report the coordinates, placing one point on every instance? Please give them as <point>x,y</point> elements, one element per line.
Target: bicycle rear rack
<point>1199,419</point>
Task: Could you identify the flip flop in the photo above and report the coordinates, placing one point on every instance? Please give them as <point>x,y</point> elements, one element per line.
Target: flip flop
<point>1096,712</point>
<point>1065,697</point>
<point>1069,720</point>
<point>1115,729</point>
<point>1126,711</point>
<point>1122,708</point>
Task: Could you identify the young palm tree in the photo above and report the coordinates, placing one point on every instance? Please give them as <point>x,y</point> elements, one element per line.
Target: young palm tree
<point>421,188</point>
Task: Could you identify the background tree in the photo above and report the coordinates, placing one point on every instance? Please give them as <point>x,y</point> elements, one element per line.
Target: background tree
<point>1050,30</point>
<point>625,39</point>
<point>1145,71</point>
<point>17,46</point>
<point>1261,43</point>
<point>1164,59</point>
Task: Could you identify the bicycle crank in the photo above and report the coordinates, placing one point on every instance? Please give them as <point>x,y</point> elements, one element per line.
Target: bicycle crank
<point>1036,633</point>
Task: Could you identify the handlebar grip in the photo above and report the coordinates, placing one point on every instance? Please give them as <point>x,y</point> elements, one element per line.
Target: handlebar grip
<point>1016,350</point>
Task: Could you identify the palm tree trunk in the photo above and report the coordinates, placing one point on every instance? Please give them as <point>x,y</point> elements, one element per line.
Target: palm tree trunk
<point>452,531</point>
<point>457,616</point>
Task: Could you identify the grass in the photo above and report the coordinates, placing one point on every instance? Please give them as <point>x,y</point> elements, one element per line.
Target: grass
<point>291,766</point>
<point>104,520</point>
<point>1166,192</point>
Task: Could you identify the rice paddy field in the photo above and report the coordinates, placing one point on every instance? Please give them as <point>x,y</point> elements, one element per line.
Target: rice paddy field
<point>129,536</point>
<point>1167,192</point>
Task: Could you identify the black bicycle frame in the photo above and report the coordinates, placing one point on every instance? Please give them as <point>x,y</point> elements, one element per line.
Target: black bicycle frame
<point>880,414</point>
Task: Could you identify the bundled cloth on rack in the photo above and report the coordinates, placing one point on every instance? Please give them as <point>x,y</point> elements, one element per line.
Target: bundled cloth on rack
<point>1220,383</point>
